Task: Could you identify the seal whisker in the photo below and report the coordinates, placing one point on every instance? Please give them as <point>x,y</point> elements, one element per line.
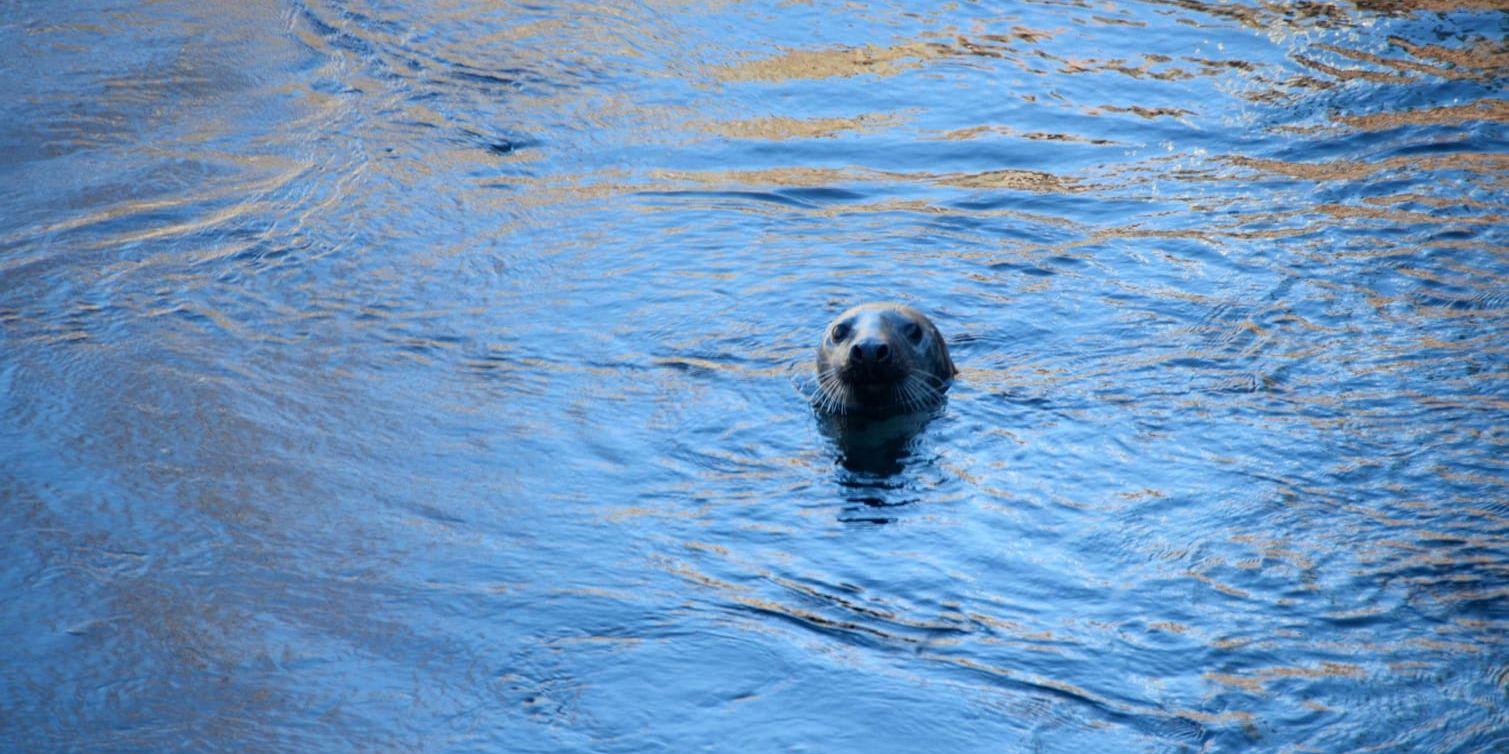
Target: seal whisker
<point>833,396</point>
<point>903,395</point>
<point>836,402</point>
<point>932,381</point>
<point>913,396</point>
<point>836,393</point>
<point>925,395</point>
<point>914,393</point>
<point>933,392</point>
<point>824,397</point>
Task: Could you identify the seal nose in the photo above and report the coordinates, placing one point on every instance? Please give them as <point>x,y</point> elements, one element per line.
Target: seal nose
<point>870,352</point>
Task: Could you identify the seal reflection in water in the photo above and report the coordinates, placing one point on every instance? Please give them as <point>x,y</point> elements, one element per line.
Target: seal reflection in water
<point>882,371</point>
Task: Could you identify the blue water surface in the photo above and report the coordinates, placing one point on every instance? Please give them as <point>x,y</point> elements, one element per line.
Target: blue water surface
<point>388,376</point>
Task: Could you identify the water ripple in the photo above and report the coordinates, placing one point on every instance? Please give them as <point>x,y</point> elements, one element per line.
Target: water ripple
<point>433,377</point>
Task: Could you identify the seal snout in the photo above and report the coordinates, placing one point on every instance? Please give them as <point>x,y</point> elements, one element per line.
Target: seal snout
<point>870,362</point>
<point>870,352</point>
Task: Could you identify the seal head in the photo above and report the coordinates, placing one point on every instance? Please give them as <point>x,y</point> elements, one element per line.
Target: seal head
<point>882,359</point>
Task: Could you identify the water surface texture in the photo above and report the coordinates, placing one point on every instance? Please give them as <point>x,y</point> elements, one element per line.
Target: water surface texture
<point>384,376</point>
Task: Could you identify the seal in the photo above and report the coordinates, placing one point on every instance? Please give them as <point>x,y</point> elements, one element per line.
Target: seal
<point>882,359</point>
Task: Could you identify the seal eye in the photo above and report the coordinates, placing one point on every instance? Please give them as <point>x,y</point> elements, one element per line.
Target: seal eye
<point>840,331</point>
<point>913,332</point>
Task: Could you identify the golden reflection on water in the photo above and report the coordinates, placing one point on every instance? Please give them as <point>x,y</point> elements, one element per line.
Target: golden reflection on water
<point>1477,163</point>
<point>777,128</point>
<point>1494,110</point>
<point>1481,58</point>
<point>975,132</point>
<point>796,65</point>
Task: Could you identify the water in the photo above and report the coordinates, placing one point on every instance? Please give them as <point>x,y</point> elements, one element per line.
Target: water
<point>431,378</point>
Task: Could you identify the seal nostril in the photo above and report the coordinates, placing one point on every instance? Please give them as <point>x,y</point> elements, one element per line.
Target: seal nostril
<point>882,352</point>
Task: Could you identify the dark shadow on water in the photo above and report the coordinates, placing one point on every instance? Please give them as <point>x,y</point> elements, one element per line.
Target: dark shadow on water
<point>873,455</point>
